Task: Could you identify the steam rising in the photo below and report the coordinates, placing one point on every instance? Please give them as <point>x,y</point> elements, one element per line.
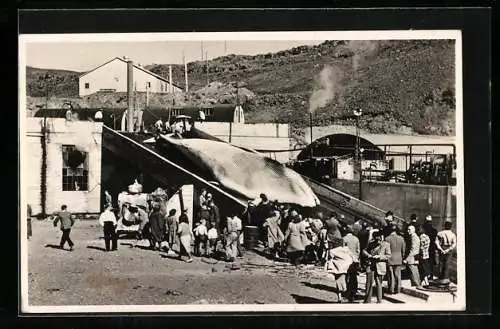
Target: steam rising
<point>360,49</point>
<point>325,88</point>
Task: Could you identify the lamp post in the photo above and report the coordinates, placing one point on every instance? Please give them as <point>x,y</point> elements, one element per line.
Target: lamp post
<point>357,114</point>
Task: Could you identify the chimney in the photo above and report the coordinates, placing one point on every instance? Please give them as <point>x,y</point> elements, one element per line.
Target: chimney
<point>130,91</point>
<point>185,70</point>
<point>170,87</point>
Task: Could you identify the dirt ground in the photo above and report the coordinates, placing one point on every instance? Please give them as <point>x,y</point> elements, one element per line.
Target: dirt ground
<point>137,276</point>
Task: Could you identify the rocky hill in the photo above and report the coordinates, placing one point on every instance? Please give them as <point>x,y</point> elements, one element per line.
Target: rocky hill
<point>401,86</point>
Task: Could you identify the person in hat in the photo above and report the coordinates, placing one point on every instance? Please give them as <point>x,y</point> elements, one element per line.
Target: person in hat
<point>377,253</point>
<point>431,231</point>
<point>214,212</point>
<point>446,242</point>
<point>108,223</point>
<point>185,236</point>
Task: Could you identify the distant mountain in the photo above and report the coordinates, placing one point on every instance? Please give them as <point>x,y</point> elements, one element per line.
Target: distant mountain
<point>401,86</point>
<point>58,83</point>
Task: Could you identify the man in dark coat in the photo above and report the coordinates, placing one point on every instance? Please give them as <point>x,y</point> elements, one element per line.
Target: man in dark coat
<point>432,232</point>
<point>215,215</point>
<point>67,222</point>
<point>157,222</point>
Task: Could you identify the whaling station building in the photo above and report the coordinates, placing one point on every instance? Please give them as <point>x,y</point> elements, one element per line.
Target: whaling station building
<point>112,77</point>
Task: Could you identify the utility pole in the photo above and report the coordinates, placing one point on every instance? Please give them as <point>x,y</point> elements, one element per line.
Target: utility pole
<point>202,51</point>
<point>358,155</point>
<point>206,66</point>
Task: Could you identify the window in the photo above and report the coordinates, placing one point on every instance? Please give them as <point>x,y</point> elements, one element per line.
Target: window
<point>87,85</point>
<point>148,84</point>
<point>208,112</point>
<point>75,169</point>
<point>176,112</point>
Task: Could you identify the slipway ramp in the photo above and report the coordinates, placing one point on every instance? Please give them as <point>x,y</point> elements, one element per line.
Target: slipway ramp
<point>169,169</point>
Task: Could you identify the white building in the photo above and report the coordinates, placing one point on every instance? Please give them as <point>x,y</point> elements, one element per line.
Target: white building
<point>75,184</point>
<point>112,76</point>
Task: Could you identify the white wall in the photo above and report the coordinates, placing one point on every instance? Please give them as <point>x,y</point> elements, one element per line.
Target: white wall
<point>85,135</point>
<point>114,76</point>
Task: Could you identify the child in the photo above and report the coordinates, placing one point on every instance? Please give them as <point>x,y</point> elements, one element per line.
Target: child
<point>200,237</point>
<point>212,239</point>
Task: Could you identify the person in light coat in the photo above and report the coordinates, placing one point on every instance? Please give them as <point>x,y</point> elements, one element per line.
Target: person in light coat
<point>275,236</point>
<point>377,253</point>
<point>411,259</point>
<point>339,259</point>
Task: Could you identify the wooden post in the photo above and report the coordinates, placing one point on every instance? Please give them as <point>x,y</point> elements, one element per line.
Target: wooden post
<point>230,131</point>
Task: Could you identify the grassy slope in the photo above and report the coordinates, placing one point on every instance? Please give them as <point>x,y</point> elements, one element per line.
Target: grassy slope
<point>401,86</point>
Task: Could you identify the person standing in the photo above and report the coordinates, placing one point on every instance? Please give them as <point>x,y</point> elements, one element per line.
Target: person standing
<point>339,260</point>
<point>352,243</point>
<point>294,237</point>
<point>201,238</point>
<point>333,228</point>
<point>433,255</point>
<point>398,250</point>
<point>424,262</point>
<point>29,214</point>
<point>389,219</point>
<point>171,223</point>
<point>446,242</point>
<point>67,222</point>
<point>275,236</point>
<point>411,259</point>
<point>108,223</point>
<point>108,198</point>
<point>158,227</point>
<point>185,236</point>
<point>215,215</point>
<point>377,253</point>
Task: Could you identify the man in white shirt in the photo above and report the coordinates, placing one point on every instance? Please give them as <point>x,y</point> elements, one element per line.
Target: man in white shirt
<point>200,238</point>
<point>108,223</point>
<point>446,242</point>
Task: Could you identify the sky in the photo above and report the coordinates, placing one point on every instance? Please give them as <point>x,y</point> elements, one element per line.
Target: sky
<point>84,56</point>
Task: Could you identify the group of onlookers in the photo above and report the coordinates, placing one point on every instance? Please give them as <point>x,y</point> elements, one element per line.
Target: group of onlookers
<point>381,250</point>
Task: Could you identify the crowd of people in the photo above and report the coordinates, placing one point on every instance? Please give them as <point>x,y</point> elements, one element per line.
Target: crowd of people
<point>381,250</point>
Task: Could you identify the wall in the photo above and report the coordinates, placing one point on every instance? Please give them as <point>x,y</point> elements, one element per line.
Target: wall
<point>406,199</point>
<point>263,136</point>
<point>87,136</point>
<point>113,75</point>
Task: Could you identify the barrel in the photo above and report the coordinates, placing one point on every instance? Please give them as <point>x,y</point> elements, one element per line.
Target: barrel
<point>251,236</point>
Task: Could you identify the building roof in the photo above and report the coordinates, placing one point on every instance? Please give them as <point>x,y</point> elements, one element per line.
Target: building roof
<point>219,113</point>
<point>337,145</point>
<point>136,66</point>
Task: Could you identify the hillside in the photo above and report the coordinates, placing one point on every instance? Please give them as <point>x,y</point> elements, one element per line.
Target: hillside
<point>402,86</point>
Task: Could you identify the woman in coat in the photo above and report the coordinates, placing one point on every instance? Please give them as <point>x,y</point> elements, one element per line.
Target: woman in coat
<point>377,253</point>
<point>275,236</point>
<point>339,259</point>
<point>185,237</point>
<point>294,237</point>
<point>171,224</point>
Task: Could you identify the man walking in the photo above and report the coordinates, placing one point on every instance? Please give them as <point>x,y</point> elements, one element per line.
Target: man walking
<point>352,243</point>
<point>67,222</point>
<point>446,242</point>
<point>108,223</point>
<point>411,260</point>
<point>398,246</point>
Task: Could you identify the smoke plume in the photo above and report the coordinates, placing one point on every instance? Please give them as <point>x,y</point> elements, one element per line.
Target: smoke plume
<point>360,49</point>
<point>326,85</point>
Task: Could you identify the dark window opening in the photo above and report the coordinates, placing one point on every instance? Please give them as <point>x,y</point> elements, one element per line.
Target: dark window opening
<point>74,169</point>
<point>87,85</point>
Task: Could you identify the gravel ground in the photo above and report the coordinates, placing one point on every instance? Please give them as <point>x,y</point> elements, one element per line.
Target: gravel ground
<point>135,276</point>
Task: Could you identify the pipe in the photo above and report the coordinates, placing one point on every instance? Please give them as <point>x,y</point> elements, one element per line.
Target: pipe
<point>130,107</point>
<point>170,87</point>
